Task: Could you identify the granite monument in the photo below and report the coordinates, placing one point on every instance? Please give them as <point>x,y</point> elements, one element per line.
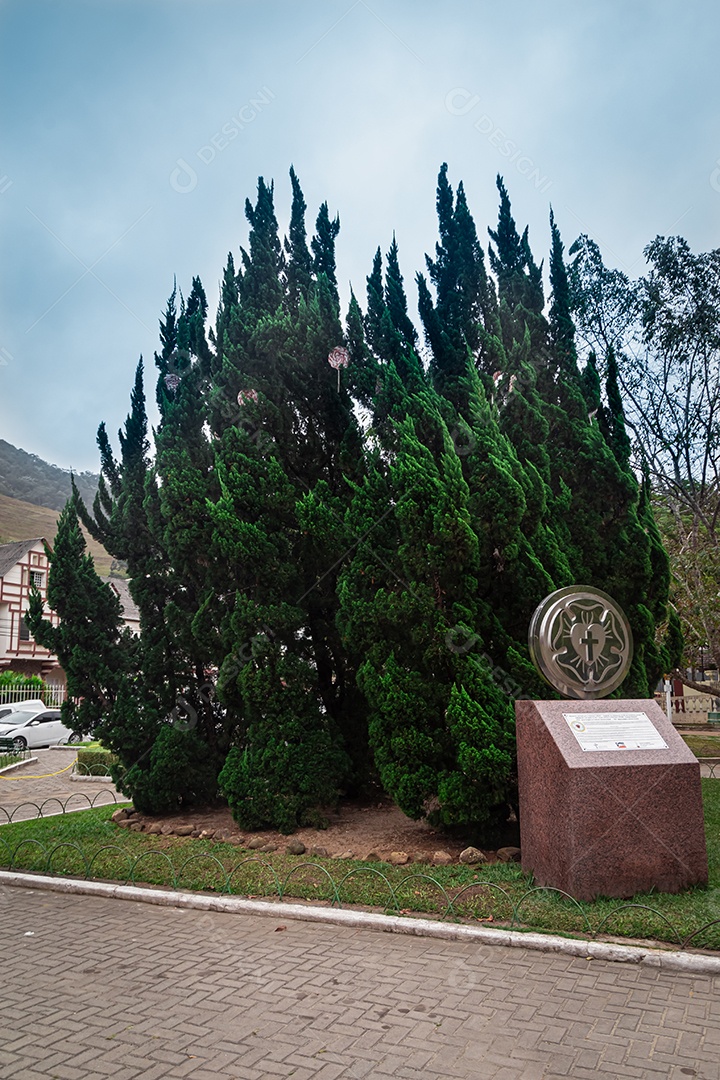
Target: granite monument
<point>610,797</point>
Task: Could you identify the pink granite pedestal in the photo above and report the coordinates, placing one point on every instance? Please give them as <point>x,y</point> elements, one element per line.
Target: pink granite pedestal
<point>607,823</point>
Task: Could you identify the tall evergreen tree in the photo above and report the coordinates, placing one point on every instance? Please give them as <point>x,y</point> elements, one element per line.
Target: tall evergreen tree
<point>260,286</point>
<point>396,301</point>
<point>456,323</point>
<point>323,247</point>
<point>562,328</point>
<point>89,641</point>
<point>299,260</point>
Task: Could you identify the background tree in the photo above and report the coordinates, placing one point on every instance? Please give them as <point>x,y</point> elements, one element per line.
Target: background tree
<point>660,335</point>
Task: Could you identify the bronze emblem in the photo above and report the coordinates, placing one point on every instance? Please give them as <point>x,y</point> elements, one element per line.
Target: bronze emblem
<point>581,642</point>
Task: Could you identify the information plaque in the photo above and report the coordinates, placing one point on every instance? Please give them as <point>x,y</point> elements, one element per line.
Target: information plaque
<point>615,731</point>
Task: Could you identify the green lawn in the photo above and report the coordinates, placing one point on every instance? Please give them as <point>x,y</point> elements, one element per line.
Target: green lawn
<point>703,745</point>
<point>89,843</point>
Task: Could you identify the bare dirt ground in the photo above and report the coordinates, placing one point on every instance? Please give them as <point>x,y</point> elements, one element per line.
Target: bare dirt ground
<point>363,829</point>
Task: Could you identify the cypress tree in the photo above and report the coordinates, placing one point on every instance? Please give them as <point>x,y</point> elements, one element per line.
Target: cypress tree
<point>295,426</point>
<point>600,501</point>
<point>519,279</point>
<point>562,328</point>
<point>154,718</point>
<point>456,323</point>
<point>260,286</point>
<point>94,650</point>
<point>299,260</point>
<point>329,597</point>
<point>446,517</point>
<point>323,247</point>
<point>396,301</point>
<point>375,306</point>
<point>617,435</point>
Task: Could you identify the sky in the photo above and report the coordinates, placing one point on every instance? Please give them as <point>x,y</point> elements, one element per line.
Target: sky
<point>134,130</point>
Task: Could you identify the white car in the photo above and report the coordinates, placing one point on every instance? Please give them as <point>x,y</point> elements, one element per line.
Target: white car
<point>35,705</point>
<point>32,727</point>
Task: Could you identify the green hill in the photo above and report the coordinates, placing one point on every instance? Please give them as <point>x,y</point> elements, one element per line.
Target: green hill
<point>23,521</point>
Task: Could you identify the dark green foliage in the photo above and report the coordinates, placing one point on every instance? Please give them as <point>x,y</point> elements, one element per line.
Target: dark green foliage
<point>396,300</point>
<point>519,279</point>
<point>323,247</point>
<point>291,761</point>
<point>456,321</point>
<point>89,642</point>
<point>179,771</point>
<point>617,435</point>
<point>299,260</point>
<point>562,328</point>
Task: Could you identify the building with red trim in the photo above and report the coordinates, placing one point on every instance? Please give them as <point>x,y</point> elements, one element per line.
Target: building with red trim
<point>23,564</point>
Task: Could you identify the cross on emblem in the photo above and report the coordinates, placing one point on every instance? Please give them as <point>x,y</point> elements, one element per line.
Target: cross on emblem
<point>588,641</point>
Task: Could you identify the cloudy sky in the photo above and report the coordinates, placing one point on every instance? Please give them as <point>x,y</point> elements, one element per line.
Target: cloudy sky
<point>133,130</point>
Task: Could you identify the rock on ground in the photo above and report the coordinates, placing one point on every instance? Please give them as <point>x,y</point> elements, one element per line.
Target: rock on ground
<point>472,855</point>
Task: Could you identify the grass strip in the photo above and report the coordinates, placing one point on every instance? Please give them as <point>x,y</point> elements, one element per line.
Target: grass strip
<point>88,843</point>
<point>9,759</point>
<point>703,745</point>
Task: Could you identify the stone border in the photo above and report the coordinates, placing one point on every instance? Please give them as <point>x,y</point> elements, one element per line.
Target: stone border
<point>17,765</point>
<point>665,960</point>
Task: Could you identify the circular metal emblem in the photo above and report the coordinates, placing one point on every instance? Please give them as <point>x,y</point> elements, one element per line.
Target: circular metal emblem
<point>581,642</point>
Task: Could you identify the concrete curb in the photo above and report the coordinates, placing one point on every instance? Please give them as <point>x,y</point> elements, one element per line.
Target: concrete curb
<point>17,765</point>
<point>692,963</point>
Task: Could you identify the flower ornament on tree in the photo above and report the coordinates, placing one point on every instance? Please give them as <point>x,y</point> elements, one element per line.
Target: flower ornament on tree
<point>247,395</point>
<point>339,358</point>
<point>497,380</point>
<point>172,382</point>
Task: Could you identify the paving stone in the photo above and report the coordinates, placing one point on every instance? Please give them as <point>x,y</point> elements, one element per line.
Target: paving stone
<point>169,993</point>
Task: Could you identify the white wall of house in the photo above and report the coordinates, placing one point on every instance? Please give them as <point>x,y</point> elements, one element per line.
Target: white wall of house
<point>18,650</point>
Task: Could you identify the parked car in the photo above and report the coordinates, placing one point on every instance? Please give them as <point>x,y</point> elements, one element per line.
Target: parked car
<point>31,728</point>
<point>34,704</point>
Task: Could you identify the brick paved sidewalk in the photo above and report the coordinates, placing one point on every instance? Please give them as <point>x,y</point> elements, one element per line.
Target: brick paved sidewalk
<point>106,988</point>
<point>18,787</point>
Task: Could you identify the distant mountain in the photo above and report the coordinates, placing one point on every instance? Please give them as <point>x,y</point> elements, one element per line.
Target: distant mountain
<point>27,477</point>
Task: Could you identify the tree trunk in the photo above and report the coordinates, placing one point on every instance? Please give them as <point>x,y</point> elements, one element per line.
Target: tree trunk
<point>712,689</point>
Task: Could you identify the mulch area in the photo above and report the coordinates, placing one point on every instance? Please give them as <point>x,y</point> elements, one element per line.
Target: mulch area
<point>358,830</point>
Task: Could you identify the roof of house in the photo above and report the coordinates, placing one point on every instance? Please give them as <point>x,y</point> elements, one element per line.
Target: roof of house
<point>121,586</point>
<point>12,553</point>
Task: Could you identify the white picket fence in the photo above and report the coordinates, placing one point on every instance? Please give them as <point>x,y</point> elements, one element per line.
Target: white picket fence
<point>687,708</point>
<point>53,694</point>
